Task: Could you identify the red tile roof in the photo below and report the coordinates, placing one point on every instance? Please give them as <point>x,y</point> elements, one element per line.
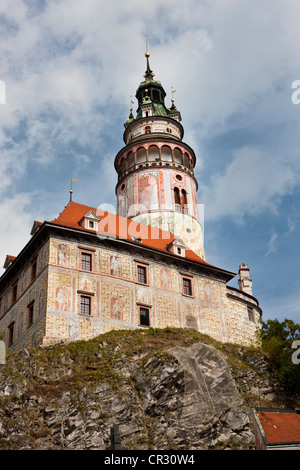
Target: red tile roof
<point>280,427</point>
<point>112,225</point>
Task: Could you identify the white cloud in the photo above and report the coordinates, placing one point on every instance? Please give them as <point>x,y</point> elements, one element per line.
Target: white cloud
<point>16,223</point>
<point>273,244</point>
<point>292,223</point>
<point>254,181</point>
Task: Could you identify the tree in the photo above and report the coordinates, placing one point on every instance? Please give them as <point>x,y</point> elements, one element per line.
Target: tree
<point>278,341</point>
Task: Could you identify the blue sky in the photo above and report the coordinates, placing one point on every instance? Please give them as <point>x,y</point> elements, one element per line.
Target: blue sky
<point>70,68</point>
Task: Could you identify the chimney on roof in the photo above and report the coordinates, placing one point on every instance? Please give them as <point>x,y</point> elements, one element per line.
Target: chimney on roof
<point>245,282</point>
<point>8,261</point>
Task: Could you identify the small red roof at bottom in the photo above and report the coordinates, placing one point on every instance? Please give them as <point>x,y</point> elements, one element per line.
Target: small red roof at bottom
<point>280,426</point>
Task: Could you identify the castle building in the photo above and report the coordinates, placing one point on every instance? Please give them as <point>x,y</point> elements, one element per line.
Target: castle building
<point>90,271</point>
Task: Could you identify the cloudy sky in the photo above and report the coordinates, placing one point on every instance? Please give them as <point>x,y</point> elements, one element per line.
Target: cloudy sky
<point>69,68</point>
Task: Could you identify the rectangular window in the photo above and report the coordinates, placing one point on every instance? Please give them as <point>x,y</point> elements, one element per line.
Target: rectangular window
<point>85,305</point>
<point>30,314</point>
<point>33,270</point>
<point>144,316</point>
<point>187,286</point>
<point>11,334</point>
<point>142,274</point>
<point>15,292</point>
<point>86,261</point>
<point>250,313</point>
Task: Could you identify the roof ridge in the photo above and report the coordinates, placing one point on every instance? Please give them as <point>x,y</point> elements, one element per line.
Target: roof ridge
<point>70,217</point>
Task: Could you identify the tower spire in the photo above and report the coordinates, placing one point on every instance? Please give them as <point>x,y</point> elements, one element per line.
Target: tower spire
<point>148,74</point>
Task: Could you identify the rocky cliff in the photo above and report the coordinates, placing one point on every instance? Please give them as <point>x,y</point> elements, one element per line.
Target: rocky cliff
<point>165,389</point>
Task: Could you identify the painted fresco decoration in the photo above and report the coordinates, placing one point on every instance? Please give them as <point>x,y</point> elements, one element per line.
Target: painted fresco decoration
<point>61,298</point>
<point>148,198</point>
<point>208,292</point>
<point>115,266</point>
<point>85,285</point>
<point>116,308</point>
<point>63,254</point>
<point>165,278</point>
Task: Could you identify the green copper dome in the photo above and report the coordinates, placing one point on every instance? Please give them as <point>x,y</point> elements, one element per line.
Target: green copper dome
<point>151,93</point>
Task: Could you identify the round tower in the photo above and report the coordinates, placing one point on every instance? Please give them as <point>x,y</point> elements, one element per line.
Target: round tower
<point>156,183</point>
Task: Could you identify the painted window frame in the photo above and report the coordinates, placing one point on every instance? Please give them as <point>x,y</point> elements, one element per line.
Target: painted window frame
<point>30,314</point>
<point>11,334</point>
<point>15,291</point>
<point>250,313</point>
<point>185,278</point>
<point>89,297</point>
<point>83,251</point>
<point>145,267</point>
<point>148,309</point>
<point>33,267</point>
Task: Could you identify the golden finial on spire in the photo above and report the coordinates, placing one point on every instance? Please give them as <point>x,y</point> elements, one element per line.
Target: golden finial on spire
<point>71,190</point>
<point>172,100</point>
<point>148,74</point>
<point>147,53</point>
<point>130,109</point>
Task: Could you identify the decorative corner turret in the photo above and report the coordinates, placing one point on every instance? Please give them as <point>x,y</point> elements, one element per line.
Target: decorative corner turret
<point>245,282</point>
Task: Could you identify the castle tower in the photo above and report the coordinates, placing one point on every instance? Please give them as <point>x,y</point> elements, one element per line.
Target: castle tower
<point>156,183</point>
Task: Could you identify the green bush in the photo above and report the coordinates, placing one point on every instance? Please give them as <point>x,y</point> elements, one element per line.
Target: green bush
<point>277,341</point>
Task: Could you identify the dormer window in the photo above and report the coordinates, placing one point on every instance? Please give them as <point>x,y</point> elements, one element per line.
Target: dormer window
<point>90,221</point>
<point>177,247</point>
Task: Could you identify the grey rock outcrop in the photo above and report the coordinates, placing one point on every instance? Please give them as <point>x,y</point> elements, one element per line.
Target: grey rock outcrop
<point>191,399</point>
<point>181,397</point>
